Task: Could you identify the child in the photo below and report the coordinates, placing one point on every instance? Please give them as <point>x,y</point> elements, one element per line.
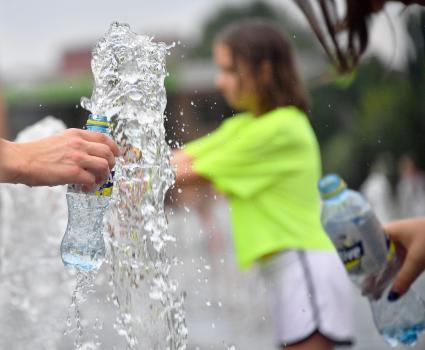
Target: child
<point>266,161</point>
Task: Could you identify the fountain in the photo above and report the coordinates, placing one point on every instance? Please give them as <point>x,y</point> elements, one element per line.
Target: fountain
<point>129,72</point>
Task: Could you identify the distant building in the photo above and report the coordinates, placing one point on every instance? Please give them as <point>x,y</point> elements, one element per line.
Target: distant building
<point>75,62</point>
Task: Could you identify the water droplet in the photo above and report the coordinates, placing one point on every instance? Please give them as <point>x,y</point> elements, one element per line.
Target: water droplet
<point>98,324</point>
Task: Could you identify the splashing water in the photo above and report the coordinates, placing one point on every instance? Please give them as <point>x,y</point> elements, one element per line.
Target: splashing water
<point>85,284</point>
<point>129,72</point>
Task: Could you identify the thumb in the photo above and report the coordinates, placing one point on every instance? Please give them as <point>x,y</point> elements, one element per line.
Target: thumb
<point>405,277</point>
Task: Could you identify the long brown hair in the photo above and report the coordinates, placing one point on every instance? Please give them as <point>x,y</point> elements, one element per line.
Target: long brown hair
<point>256,42</point>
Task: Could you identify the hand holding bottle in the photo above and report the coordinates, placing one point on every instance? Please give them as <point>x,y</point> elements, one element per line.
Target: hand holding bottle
<point>72,156</point>
<point>371,261</point>
<point>409,237</point>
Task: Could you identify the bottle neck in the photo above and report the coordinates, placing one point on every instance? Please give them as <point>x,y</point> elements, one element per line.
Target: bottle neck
<point>337,196</point>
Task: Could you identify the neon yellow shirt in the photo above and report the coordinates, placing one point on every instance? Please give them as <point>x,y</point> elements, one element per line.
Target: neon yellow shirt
<point>268,167</point>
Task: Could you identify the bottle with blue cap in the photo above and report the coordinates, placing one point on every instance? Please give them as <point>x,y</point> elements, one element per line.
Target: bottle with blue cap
<point>83,245</point>
<point>370,260</point>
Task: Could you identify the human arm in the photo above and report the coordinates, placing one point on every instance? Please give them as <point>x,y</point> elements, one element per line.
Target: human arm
<point>73,156</point>
<point>182,163</point>
<point>409,237</point>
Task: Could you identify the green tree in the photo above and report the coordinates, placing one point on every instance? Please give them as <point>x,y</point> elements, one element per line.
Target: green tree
<point>381,111</point>
<point>256,9</point>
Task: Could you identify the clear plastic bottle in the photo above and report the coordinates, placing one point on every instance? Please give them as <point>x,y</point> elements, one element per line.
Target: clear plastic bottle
<point>370,260</point>
<point>83,245</point>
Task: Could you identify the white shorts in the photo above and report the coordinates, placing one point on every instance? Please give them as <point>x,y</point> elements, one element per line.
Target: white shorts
<point>309,292</point>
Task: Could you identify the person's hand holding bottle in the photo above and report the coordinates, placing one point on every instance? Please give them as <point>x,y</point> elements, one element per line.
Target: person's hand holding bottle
<point>409,237</point>
<point>73,156</point>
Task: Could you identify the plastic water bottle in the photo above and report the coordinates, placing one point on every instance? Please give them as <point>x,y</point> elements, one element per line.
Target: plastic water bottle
<point>83,245</point>
<point>370,260</point>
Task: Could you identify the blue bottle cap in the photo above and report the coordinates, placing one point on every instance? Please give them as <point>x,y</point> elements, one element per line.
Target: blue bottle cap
<point>330,185</point>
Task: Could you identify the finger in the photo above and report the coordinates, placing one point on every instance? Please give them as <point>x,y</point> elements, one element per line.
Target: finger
<point>410,270</point>
<point>63,175</point>
<point>100,138</point>
<point>86,188</point>
<point>101,151</point>
<point>84,178</point>
<point>98,167</point>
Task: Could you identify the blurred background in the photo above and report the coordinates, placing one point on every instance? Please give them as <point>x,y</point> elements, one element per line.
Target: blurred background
<point>370,125</point>
<point>45,52</point>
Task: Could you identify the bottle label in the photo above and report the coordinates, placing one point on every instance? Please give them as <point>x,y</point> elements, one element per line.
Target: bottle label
<point>106,188</point>
<point>391,250</point>
<point>360,243</point>
<point>351,255</point>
